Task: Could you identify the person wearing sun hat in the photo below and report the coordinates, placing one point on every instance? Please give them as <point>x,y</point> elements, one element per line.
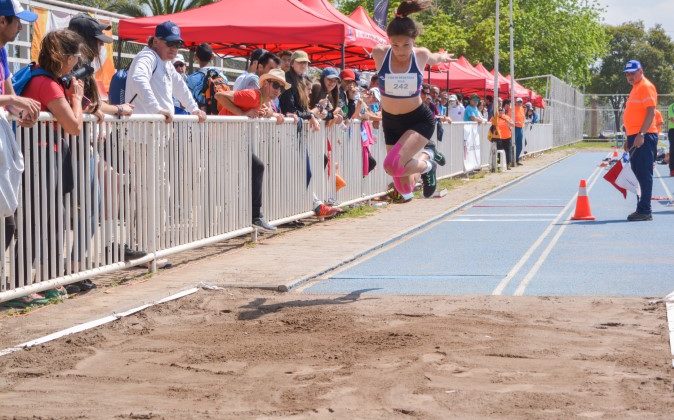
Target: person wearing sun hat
<point>296,100</point>
<point>255,103</point>
<point>642,135</point>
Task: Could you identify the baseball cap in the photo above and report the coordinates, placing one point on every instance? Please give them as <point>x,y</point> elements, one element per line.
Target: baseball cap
<point>89,27</point>
<point>179,59</point>
<point>347,74</point>
<point>474,97</point>
<point>168,31</point>
<point>330,73</point>
<point>13,8</point>
<point>376,93</point>
<point>300,56</point>
<point>528,105</point>
<point>632,66</point>
<point>519,100</point>
<point>452,98</point>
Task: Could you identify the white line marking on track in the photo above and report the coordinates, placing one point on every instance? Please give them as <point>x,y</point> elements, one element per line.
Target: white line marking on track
<point>518,266</point>
<point>544,255</point>
<point>498,220</point>
<point>667,191</point>
<point>507,214</point>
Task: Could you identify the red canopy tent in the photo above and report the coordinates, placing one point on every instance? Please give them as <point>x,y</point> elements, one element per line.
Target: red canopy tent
<point>231,28</point>
<point>532,96</point>
<point>361,16</point>
<point>456,78</point>
<point>503,87</point>
<point>360,40</point>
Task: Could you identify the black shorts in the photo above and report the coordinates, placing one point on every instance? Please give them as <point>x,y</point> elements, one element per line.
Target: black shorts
<point>420,120</point>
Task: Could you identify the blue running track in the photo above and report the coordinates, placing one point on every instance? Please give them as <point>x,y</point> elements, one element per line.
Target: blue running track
<point>520,241</point>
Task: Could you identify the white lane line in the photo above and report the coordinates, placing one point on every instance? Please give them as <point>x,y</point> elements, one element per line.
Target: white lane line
<point>506,214</point>
<point>517,267</point>
<point>497,220</point>
<point>544,256</point>
<point>667,191</point>
<point>523,199</point>
<point>669,304</point>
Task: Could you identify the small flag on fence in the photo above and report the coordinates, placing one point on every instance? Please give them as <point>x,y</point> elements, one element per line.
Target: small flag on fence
<point>622,177</point>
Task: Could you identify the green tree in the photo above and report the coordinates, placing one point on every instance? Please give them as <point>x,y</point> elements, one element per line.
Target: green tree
<point>560,37</point>
<point>155,7</point>
<point>653,48</point>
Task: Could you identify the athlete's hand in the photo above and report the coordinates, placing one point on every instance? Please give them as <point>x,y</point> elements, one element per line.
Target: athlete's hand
<point>446,57</point>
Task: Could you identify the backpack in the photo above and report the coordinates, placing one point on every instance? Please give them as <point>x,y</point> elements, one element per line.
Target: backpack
<point>214,84</point>
<point>117,91</point>
<point>204,86</point>
<point>21,78</point>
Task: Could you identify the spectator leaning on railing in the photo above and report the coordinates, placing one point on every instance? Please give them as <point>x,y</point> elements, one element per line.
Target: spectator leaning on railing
<point>255,103</point>
<point>325,96</point>
<point>295,101</point>
<point>152,80</point>
<point>91,32</point>
<point>60,51</point>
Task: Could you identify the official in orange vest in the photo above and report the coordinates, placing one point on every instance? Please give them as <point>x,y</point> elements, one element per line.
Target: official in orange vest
<point>642,135</point>
<point>504,125</point>
<point>519,129</point>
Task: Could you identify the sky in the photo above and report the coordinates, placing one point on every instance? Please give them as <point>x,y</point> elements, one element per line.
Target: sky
<point>650,11</point>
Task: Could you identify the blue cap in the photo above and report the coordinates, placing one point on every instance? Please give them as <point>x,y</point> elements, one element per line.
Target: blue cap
<point>13,8</point>
<point>632,66</point>
<point>330,73</point>
<point>168,31</point>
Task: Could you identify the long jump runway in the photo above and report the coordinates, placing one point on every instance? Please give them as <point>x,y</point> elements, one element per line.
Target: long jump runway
<point>520,241</point>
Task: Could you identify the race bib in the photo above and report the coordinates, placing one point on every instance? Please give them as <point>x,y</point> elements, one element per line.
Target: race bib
<point>401,84</point>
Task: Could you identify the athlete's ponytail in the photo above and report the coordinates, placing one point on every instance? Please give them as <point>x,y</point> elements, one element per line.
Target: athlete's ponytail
<point>401,23</point>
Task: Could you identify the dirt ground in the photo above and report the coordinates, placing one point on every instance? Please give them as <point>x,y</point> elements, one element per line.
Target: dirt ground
<point>239,353</point>
<point>250,354</point>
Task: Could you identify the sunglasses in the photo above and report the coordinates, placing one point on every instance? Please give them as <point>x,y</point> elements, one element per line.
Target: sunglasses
<point>426,92</point>
<point>277,85</point>
<point>174,44</point>
<point>179,64</point>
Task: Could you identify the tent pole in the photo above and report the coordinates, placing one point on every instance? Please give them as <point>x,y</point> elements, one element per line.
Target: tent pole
<point>343,56</point>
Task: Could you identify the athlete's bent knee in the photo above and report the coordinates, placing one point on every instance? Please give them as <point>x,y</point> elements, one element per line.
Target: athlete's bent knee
<point>392,164</point>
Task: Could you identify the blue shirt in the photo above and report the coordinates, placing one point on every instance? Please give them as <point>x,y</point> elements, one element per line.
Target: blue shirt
<point>471,111</point>
<point>4,71</point>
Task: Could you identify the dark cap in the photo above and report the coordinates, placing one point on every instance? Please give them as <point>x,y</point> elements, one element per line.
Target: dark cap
<point>89,27</point>
<point>168,31</point>
<point>204,52</point>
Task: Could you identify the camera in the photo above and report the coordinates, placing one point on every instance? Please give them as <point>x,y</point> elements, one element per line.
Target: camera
<point>82,72</point>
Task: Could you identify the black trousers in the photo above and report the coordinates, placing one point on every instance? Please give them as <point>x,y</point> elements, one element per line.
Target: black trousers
<point>670,136</point>
<point>257,173</point>
<point>505,146</point>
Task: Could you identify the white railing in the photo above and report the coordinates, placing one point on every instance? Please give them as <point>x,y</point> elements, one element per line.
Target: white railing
<point>165,188</point>
<point>538,138</point>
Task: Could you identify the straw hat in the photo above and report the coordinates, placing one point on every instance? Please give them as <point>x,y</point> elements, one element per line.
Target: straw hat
<point>277,75</point>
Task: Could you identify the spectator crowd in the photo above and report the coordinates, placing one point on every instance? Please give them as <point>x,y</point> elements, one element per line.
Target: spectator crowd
<point>274,85</point>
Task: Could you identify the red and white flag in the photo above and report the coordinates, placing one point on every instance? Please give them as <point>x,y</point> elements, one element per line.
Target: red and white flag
<point>622,177</point>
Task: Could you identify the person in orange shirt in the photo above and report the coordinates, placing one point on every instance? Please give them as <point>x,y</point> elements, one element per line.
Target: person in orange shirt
<point>519,129</point>
<point>659,121</point>
<point>642,135</point>
<point>504,136</point>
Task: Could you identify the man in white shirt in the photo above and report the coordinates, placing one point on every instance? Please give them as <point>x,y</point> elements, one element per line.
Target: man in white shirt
<point>455,109</point>
<point>153,82</point>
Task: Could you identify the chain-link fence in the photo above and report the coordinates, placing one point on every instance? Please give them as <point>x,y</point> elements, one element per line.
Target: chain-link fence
<point>564,108</point>
<point>604,115</point>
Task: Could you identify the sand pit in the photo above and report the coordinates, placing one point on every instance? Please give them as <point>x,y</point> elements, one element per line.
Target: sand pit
<point>243,354</point>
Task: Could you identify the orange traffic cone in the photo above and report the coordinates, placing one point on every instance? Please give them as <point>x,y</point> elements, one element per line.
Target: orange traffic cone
<point>583,211</point>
